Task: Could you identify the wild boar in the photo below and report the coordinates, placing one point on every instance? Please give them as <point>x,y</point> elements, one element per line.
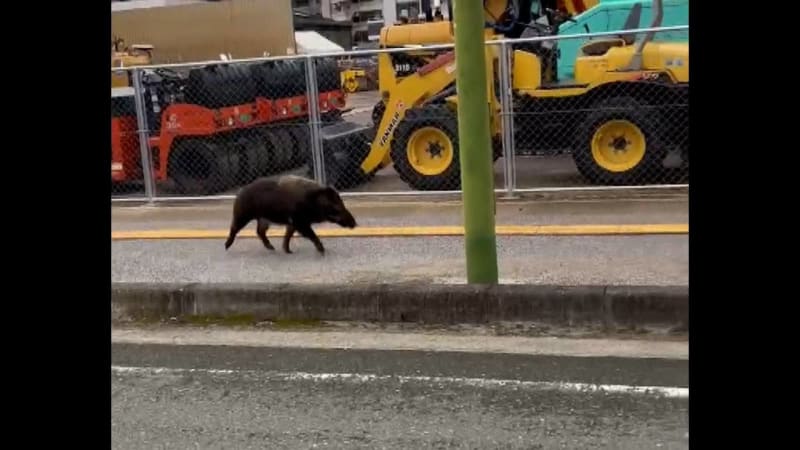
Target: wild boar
<point>293,201</point>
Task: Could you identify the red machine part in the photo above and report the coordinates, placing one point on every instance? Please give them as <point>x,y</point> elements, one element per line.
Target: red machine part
<point>125,154</point>
<point>184,120</point>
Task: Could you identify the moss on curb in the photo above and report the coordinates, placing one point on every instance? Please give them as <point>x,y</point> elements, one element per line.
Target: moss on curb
<point>230,320</point>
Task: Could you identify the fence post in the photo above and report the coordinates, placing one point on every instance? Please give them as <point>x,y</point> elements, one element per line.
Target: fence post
<point>144,135</point>
<point>507,121</point>
<point>312,93</point>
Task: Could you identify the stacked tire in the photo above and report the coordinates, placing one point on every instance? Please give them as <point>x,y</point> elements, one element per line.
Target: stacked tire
<point>219,86</point>
<point>279,79</point>
<point>328,75</point>
<point>205,165</point>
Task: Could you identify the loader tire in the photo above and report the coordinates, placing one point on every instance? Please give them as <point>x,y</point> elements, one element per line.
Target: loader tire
<point>425,149</point>
<point>342,159</point>
<point>619,143</point>
<point>377,113</point>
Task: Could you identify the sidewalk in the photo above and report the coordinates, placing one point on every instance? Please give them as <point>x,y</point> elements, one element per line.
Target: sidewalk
<point>586,281</point>
<point>540,259</point>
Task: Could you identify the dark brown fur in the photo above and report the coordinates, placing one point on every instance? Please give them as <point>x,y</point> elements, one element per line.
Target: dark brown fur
<point>292,201</point>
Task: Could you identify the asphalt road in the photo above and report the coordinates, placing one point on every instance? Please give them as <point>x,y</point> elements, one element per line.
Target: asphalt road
<point>623,260</point>
<point>255,398</point>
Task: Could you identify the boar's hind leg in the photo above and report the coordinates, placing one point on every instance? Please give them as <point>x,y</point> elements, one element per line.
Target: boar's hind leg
<point>261,231</point>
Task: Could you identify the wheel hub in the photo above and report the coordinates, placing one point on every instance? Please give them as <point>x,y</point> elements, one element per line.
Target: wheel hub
<point>619,144</point>
<point>435,149</point>
<point>429,151</point>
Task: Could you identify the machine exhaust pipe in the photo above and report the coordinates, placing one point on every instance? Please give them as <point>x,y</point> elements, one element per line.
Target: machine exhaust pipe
<point>658,15</point>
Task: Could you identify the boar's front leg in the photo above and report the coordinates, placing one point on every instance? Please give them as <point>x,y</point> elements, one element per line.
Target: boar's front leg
<point>308,233</point>
<point>287,237</point>
<point>261,231</point>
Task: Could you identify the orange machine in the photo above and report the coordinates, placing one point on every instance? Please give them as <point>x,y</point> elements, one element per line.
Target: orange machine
<point>221,125</point>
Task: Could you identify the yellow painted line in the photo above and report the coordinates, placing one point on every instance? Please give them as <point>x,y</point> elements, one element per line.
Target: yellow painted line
<point>502,230</point>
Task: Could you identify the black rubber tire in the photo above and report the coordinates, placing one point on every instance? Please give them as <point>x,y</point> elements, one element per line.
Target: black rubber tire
<point>331,116</point>
<point>281,146</point>
<point>441,117</point>
<point>625,108</point>
<point>302,148</point>
<point>377,113</point>
<point>269,79</point>
<point>293,74</point>
<point>328,78</point>
<point>197,169</point>
<point>256,158</point>
<point>342,161</point>
<point>233,163</point>
<point>220,86</point>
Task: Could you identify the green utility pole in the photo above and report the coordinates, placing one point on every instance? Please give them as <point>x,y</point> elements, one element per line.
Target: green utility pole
<point>477,175</point>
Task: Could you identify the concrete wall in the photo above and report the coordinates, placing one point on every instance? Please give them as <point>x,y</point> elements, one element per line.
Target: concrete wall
<point>201,31</point>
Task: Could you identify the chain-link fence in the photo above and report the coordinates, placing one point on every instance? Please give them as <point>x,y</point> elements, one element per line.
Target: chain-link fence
<point>212,128</point>
<point>609,118</point>
<point>127,178</point>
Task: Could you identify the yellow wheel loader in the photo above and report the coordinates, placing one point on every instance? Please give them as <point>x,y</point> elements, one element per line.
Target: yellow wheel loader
<point>625,109</point>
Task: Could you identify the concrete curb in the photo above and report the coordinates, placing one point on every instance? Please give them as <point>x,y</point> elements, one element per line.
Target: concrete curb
<point>608,306</point>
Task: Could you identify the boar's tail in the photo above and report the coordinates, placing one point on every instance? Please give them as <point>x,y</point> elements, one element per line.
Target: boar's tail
<point>238,222</point>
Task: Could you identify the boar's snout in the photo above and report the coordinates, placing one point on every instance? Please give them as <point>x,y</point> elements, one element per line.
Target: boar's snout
<point>335,210</point>
<point>345,219</point>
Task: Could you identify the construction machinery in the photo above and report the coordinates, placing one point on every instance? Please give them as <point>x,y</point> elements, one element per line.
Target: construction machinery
<point>215,127</point>
<point>124,142</point>
<point>124,56</point>
<point>350,77</point>
<point>626,107</point>
<point>609,15</point>
<point>573,17</point>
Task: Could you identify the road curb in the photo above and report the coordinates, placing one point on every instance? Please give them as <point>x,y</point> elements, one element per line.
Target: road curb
<point>608,306</point>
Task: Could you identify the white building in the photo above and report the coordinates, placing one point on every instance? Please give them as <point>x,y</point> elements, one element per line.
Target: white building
<point>368,16</point>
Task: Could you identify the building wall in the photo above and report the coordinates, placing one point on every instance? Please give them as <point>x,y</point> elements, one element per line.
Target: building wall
<point>201,31</point>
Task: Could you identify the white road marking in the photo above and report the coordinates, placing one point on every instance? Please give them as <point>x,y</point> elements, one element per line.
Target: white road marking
<point>669,392</point>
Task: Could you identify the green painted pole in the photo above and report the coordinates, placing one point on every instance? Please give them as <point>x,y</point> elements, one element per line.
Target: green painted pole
<point>477,175</point>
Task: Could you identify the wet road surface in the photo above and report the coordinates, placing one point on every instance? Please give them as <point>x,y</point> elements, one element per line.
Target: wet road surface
<point>254,398</point>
